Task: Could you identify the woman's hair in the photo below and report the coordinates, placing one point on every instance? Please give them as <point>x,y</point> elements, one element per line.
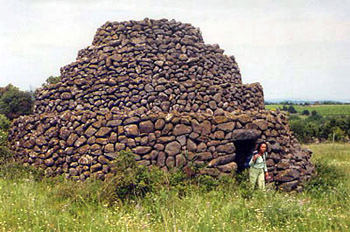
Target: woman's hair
<point>259,145</point>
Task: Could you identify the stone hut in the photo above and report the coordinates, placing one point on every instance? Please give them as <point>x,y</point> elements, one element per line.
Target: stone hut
<point>155,87</point>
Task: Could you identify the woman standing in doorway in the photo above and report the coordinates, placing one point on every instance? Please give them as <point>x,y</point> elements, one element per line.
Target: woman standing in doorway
<point>258,169</point>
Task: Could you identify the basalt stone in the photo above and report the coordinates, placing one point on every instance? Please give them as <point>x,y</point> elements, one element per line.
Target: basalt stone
<point>203,156</point>
<point>161,159</point>
<point>49,162</point>
<point>222,160</point>
<point>170,162</point>
<point>66,96</point>
<point>262,124</point>
<point>71,139</point>
<point>146,127</point>
<point>287,175</point>
<point>227,168</point>
<point>245,134</point>
<point>84,149</point>
<point>109,148</point>
<point>191,146</point>
<point>228,126</point>
<point>85,160</point>
<point>182,129</point>
<point>159,124</point>
<point>80,141</point>
<point>90,131</point>
<point>141,150</point>
<point>166,139</point>
<point>226,148</point>
<point>173,148</point>
<point>180,161</point>
<point>64,133</point>
<point>103,132</point>
<point>244,118</point>
<point>119,146</point>
<point>96,167</point>
<point>131,130</point>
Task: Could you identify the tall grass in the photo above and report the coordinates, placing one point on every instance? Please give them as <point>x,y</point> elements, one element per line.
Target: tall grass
<point>30,202</point>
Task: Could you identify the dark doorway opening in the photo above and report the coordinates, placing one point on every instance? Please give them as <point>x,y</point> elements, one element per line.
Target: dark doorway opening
<point>244,150</point>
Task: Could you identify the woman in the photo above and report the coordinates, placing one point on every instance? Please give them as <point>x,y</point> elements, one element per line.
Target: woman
<point>258,169</point>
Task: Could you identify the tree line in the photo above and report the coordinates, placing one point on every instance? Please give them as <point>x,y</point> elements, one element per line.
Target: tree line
<point>317,128</point>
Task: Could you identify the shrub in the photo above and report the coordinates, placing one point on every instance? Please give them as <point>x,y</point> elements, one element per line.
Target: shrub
<point>292,110</point>
<point>4,123</point>
<point>129,180</point>
<point>305,112</point>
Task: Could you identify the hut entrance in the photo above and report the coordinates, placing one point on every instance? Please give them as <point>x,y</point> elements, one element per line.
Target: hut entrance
<point>244,149</point>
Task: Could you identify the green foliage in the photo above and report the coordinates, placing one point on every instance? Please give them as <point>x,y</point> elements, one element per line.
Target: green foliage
<point>207,183</point>
<point>246,191</point>
<point>129,180</point>
<point>292,110</point>
<point>5,153</point>
<point>3,138</point>
<point>305,112</point>
<point>323,128</point>
<point>4,123</point>
<point>14,102</point>
<point>52,80</point>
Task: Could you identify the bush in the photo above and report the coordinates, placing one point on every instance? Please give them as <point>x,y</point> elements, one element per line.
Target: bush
<point>292,110</point>
<point>305,112</point>
<point>4,123</point>
<point>129,180</point>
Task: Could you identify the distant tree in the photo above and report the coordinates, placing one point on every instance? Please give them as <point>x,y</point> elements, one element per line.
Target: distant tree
<point>285,108</point>
<point>305,112</point>
<point>52,80</point>
<point>14,102</point>
<point>292,110</point>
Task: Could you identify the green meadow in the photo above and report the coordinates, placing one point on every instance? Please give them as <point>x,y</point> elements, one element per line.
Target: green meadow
<point>31,202</point>
<point>323,110</point>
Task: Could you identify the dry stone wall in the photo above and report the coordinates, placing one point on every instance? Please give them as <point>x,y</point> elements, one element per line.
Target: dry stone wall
<point>154,87</point>
<point>82,143</point>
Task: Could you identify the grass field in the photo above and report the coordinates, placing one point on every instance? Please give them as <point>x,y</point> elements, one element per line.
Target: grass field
<point>28,203</point>
<point>323,110</point>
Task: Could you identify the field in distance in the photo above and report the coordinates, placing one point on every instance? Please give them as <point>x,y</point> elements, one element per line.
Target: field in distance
<point>323,110</point>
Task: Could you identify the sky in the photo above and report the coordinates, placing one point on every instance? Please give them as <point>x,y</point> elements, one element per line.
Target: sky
<point>297,49</point>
